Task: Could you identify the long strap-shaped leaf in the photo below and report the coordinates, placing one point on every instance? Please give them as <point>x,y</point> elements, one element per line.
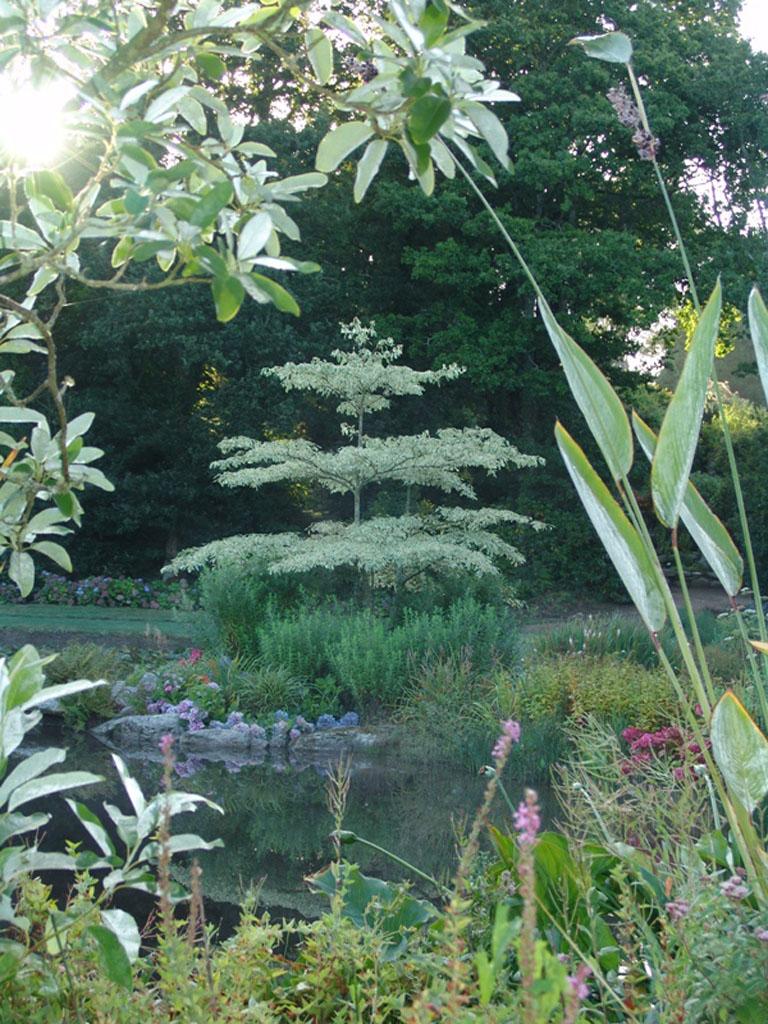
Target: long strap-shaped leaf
<point>708,532</point>
<point>679,432</point>
<point>740,750</point>
<point>620,539</point>
<point>758,327</point>
<point>599,403</point>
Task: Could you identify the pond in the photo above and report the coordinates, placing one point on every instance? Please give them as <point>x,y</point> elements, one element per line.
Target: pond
<point>276,823</point>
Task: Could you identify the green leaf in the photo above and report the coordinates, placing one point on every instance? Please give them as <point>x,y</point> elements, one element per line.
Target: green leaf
<point>55,552</point>
<point>620,539</point>
<point>599,403</point>
<point>113,958</point>
<point>212,202</point>
<point>370,902</point>
<point>21,569</point>
<point>213,67</point>
<point>428,114</point>
<point>253,236</point>
<point>30,768</point>
<point>615,47</point>
<point>740,750</point>
<point>17,237</point>
<point>122,251</point>
<point>320,53</point>
<point>93,826</point>
<point>280,296</point>
<point>679,434</point>
<point>52,185</point>
<point>433,22</point>
<point>491,129</point>
<point>228,295</point>
<point>126,931</point>
<point>339,143</point>
<point>48,784</point>
<point>758,328</point>
<point>368,166</point>
<point>708,532</point>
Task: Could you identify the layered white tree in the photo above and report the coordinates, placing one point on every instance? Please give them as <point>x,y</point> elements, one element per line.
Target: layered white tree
<point>391,550</point>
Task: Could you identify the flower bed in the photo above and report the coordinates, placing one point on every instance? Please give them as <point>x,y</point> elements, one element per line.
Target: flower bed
<point>105,592</point>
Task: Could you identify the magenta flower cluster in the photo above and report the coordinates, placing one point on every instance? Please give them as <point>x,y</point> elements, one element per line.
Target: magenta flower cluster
<point>668,742</point>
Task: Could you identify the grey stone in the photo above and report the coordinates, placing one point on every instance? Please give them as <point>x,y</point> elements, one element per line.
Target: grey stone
<point>278,738</point>
<point>332,742</point>
<point>137,732</point>
<point>218,743</point>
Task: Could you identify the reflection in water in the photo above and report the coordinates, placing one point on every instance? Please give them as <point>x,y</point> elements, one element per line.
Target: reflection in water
<point>276,822</point>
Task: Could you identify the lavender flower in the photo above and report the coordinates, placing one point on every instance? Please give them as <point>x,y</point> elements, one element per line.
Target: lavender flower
<point>351,718</point>
<point>294,733</point>
<point>326,722</point>
<point>281,716</point>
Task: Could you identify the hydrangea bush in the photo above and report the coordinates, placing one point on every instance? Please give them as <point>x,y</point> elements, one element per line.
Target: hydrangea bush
<point>105,592</point>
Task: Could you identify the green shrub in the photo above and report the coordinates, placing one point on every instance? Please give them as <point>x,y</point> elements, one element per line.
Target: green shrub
<point>269,688</point>
<point>574,685</point>
<point>372,660</point>
<point>85,661</point>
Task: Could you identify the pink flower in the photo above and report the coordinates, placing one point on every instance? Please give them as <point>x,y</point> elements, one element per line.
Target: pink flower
<point>166,743</point>
<point>761,934</point>
<point>527,819</point>
<point>578,981</point>
<point>510,734</point>
<point>677,909</point>
<point>194,655</point>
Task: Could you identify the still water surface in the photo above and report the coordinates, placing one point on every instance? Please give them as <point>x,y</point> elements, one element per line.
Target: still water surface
<point>276,821</point>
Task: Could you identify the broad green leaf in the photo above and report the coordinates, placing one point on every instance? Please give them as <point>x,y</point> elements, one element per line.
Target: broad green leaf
<point>740,750</point>
<point>55,552</point>
<point>428,114</point>
<point>131,786</point>
<point>254,235</point>
<point>93,826</point>
<point>16,236</point>
<point>679,434</point>
<point>370,901</point>
<point>368,166</point>
<point>708,532</point>
<point>52,185</point>
<point>21,569</point>
<point>281,298</point>
<point>599,403</point>
<point>54,783</point>
<point>758,328</point>
<point>491,129</point>
<point>620,539</point>
<point>14,414</point>
<point>126,930</point>
<point>228,295</point>
<point>214,200</point>
<point>614,47</point>
<point>62,690</point>
<point>433,22</point>
<point>113,958</point>
<point>320,53</point>
<point>212,66</point>
<point>339,143</point>
<point>30,768</point>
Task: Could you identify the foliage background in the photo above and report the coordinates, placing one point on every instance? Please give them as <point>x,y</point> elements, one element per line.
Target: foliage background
<point>167,381</point>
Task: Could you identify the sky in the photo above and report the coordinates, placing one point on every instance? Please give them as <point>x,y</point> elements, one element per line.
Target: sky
<point>754,23</point>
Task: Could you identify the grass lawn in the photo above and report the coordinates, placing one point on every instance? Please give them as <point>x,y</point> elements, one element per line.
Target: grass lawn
<point>53,618</point>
